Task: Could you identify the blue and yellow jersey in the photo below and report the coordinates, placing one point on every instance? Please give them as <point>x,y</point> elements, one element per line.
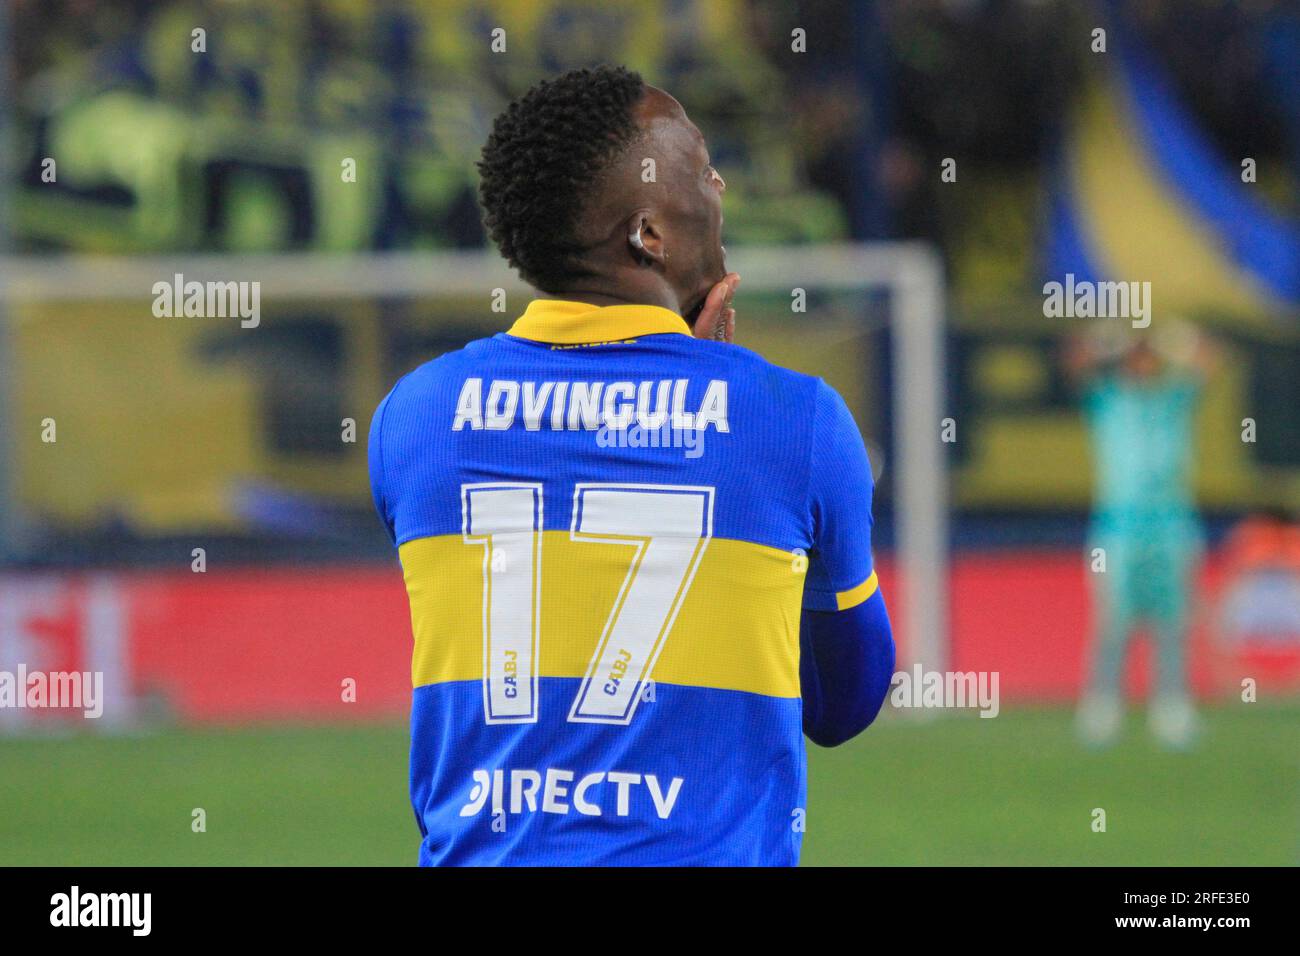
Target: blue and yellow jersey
<point>607,530</point>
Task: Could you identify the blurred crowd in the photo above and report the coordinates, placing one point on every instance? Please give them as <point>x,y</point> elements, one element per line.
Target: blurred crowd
<point>238,148</point>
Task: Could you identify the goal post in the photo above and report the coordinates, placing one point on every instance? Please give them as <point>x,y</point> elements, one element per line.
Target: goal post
<point>912,274</point>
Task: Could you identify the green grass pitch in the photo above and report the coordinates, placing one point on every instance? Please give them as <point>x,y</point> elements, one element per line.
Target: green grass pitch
<point>955,790</point>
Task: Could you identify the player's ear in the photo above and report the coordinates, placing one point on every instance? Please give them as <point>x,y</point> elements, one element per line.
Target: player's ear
<point>645,239</point>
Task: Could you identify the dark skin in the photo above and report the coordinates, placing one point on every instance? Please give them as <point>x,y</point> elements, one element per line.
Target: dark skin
<point>659,243</point>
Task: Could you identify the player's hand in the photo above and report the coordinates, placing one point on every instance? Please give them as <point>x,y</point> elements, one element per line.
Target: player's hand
<point>717,320</point>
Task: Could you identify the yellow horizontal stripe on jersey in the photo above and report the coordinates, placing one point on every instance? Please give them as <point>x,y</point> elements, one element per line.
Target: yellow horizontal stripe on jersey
<point>855,596</point>
<point>737,629</point>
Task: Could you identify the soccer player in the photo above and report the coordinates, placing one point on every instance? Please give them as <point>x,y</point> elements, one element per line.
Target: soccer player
<point>1140,392</point>
<point>638,559</point>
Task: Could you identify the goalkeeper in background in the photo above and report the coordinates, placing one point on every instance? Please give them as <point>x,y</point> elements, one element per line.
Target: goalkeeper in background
<point>1140,392</point>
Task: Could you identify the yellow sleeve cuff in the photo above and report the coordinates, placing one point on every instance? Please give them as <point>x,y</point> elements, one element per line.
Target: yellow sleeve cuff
<point>855,596</point>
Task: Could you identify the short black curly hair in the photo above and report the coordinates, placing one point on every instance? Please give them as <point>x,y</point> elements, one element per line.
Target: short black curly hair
<point>544,154</point>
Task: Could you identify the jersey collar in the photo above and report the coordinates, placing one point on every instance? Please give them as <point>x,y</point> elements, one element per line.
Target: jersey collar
<point>573,323</point>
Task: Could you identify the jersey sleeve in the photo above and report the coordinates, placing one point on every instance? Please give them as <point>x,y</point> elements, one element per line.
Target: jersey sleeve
<point>375,455</point>
<point>841,573</point>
